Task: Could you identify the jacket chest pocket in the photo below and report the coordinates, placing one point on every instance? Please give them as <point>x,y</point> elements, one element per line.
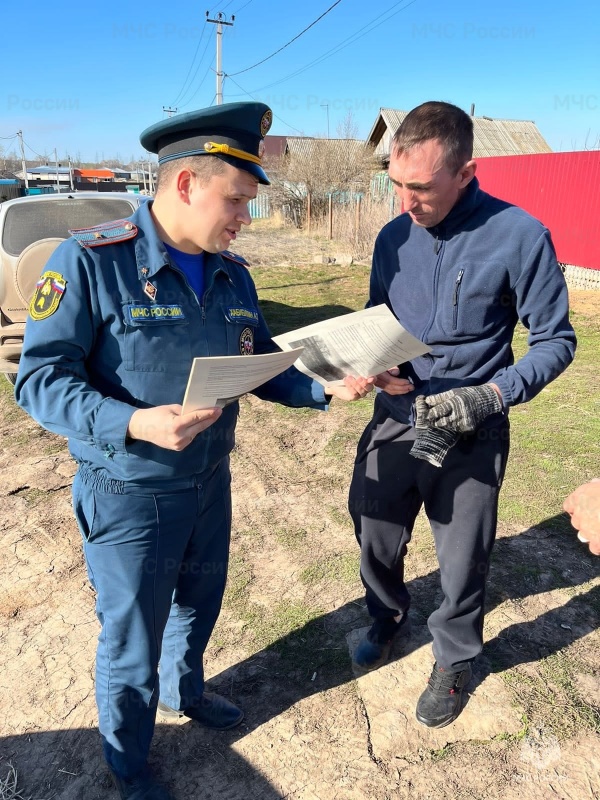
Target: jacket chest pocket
<point>475,300</point>
<point>241,324</point>
<point>157,339</point>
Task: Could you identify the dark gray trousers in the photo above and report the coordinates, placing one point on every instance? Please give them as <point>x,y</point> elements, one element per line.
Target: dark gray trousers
<point>388,488</point>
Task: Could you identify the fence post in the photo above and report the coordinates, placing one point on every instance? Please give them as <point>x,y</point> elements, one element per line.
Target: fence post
<point>357,218</point>
<point>392,198</point>
<point>330,217</point>
<point>308,211</point>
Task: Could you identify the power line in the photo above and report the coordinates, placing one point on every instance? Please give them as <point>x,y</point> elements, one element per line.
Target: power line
<point>183,105</point>
<point>341,46</point>
<point>241,7</point>
<point>287,124</point>
<point>39,155</point>
<point>312,24</point>
<point>14,136</point>
<point>181,91</point>
<point>187,102</point>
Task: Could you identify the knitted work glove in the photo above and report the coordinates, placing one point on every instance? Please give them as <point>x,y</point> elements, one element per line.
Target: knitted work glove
<point>432,444</point>
<point>462,410</point>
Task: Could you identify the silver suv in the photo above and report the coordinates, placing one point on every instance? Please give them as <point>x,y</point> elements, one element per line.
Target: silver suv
<point>30,230</point>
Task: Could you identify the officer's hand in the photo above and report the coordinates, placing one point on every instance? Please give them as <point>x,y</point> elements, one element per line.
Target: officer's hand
<point>352,388</point>
<point>390,383</point>
<point>584,507</point>
<point>167,427</point>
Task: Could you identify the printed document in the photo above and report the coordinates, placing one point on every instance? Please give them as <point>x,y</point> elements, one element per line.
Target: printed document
<point>219,380</point>
<point>362,343</point>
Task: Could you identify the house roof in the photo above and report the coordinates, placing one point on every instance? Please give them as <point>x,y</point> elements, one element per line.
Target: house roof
<point>47,170</point>
<point>275,146</point>
<point>493,137</point>
<point>96,173</point>
<point>308,146</point>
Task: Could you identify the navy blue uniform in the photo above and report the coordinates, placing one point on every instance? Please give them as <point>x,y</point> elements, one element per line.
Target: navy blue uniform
<point>114,328</point>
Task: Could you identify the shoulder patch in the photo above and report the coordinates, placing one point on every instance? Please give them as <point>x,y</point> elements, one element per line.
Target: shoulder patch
<point>234,257</point>
<point>49,291</point>
<point>108,233</point>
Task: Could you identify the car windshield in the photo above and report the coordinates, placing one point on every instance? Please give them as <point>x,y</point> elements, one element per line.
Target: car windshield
<point>28,222</point>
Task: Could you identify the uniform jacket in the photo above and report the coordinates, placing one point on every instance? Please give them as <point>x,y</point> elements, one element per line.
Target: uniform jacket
<point>109,348</point>
<point>462,286</point>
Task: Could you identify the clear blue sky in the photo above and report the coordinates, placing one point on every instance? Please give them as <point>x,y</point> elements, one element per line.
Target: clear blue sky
<point>87,78</point>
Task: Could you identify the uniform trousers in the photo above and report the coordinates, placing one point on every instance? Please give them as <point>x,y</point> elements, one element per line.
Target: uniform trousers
<point>388,489</point>
<point>157,558</point>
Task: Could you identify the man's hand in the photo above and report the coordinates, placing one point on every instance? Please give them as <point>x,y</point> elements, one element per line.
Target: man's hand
<point>431,444</point>
<point>462,410</point>
<point>584,507</point>
<point>390,383</point>
<point>167,427</point>
<point>352,388</point>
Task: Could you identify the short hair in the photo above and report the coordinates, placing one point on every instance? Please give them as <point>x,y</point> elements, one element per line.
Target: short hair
<point>449,124</point>
<point>204,167</point>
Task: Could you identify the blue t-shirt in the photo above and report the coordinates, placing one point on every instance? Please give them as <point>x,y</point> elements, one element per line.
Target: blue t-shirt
<point>192,265</point>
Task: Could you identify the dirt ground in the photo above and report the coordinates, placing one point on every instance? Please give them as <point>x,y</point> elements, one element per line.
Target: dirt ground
<point>293,611</point>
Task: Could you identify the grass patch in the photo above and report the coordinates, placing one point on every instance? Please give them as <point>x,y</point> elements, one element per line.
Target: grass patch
<point>343,567</point>
<point>340,516</point>
<point>285,619</point>
<point>513,738</point>
<point>551,698</point>
<point>291,538</point>
<point>555,439</point>
<point>239,578</point>
<point>8,407</point>
<point>292,297</point>
<point>33,497</point>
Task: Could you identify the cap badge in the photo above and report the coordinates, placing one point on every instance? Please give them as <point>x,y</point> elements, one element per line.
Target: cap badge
<point>266,122</point>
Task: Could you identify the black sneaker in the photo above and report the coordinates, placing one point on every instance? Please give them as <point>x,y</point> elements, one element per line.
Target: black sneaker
<point>440,703</point>
<point>374,650</point>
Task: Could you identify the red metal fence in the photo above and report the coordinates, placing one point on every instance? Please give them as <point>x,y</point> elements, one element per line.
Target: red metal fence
<point>562,190</point>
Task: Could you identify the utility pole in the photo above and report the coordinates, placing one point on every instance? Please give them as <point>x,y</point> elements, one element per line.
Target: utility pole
<point>150,178</point>
<point>20,135</point>
<point>70,173</point>
<point>219,22</point>
<point>169,111</point>
<point>56,162</point>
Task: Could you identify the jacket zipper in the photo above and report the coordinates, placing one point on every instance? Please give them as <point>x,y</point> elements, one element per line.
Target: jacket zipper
<point>455,296</point>
<point>438,247</point>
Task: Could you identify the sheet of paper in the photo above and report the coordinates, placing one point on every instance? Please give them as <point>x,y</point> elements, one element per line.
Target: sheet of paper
<point>363,343</point>
<point>219,380</point>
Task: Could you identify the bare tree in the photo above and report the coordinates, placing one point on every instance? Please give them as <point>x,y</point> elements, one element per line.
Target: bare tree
<point>320,168</point>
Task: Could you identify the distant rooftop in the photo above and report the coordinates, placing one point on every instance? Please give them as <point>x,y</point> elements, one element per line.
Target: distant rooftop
<point>493,137</point>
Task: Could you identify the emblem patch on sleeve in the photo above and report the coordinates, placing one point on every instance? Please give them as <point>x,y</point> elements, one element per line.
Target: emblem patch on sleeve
<point>247,342</point>
<point>49,291</point>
